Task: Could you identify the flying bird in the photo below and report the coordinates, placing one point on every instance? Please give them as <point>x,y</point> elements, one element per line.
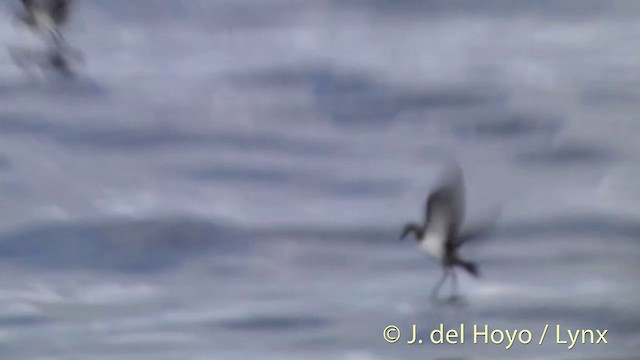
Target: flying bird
<point>46,15</point>
<point>440,235</point>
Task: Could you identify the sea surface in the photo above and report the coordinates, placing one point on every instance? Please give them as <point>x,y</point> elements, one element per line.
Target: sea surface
<point>228,179</point>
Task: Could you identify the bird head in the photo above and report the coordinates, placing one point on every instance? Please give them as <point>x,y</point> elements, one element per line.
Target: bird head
<point>411,229</point>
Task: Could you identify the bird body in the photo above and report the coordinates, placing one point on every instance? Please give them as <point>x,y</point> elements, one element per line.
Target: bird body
<point>433,244</point>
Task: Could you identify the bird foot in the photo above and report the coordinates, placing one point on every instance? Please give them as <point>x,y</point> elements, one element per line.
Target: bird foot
<point>450,300</point>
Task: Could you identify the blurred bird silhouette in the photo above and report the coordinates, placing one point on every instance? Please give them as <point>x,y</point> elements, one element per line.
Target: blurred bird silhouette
<point>441,235</point>
<point>46,15</point>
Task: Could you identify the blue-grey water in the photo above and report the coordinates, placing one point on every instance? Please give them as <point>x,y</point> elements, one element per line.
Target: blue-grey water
<point>228,179</point>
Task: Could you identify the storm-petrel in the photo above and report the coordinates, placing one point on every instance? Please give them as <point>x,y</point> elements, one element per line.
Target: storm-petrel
<point>440,235</point>
<point>47,15</point>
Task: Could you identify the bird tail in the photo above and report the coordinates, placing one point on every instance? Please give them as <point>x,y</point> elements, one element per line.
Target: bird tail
<point>471,267</point>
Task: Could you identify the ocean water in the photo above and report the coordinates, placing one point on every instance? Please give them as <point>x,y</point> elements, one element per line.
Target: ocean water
<point>228,179</point>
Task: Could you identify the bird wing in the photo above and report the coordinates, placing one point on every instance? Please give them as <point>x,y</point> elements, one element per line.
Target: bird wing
<point>480,230</point>
<point>472,234</point>
<point>444,211</point>
<point>448,196</point>
<point>59,10</point>
<point>26,15</point>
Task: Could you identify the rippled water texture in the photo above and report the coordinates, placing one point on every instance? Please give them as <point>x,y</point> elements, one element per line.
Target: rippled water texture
<point>228,179</point>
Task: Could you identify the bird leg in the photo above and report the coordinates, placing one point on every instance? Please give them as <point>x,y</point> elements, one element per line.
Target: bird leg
<point>436,288</point>
<point>454,283</point>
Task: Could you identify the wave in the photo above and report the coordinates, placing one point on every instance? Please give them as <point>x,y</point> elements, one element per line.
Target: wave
<point>125,245</point>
